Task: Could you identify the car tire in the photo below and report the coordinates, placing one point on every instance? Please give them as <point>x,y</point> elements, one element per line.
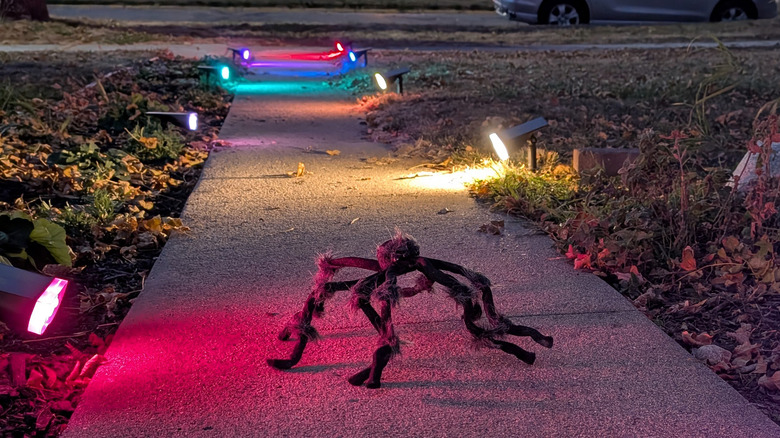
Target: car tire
<point>564,13</point>
<point>734,10</point>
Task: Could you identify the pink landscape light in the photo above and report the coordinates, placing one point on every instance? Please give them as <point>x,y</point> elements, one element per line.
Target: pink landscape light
<point>28,300</point>
<point>46,307</point>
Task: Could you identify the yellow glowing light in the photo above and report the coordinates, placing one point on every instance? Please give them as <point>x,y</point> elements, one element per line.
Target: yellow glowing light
<point>454,181</point>
<point>498,145</point>
<point>380,81</point>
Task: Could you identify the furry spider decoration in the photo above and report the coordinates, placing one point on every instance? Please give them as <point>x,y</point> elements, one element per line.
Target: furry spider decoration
<point>396,257</point>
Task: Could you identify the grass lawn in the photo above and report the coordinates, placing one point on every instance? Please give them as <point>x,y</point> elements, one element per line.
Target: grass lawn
<point>350,4</point>
<point>71,31</point>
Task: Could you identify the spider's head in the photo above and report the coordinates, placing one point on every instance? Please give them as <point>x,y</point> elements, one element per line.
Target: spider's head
<point>400,247</point>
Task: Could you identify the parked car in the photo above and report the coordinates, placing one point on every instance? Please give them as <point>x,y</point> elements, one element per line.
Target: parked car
<point>573,12</point>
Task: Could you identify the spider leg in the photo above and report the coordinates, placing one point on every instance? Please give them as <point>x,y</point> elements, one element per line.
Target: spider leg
<point>368,309</point>
<point>300,324</point>
<point>471,314</point>
<point>319,307</point>
<point>462,294</point>
<point>385,289</point>
<point>482,283</point>
<point>382,355</point>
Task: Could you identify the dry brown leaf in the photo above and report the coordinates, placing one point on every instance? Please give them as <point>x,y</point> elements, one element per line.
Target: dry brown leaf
<point>494,227</point>
<point>333,152</point>
<point>695,340</point>
<point>688,262</point>
<point>770,383</point>
<point>91,366</point>
<point>745,351</point>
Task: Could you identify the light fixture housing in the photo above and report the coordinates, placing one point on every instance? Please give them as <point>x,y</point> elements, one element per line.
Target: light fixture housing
<point>518,134</point>
<point>184,120</point>
<point>29,301</point>
<point>241,54</point>
<point>395,76</point>
<point>360,53</point>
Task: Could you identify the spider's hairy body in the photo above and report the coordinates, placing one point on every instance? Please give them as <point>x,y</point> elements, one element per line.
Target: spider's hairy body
<point>395,258</point>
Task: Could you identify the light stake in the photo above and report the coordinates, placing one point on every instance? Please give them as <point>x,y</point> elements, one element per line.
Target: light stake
<point>29,300</point>
<point>184,120</point>
<point>395,76</point>
<point>523,134</point>
<point>361,53</point>
<point>243,54</point>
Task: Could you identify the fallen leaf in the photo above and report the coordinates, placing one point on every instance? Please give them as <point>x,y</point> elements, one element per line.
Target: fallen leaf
<point>494,227</point>
<point>695,340</point>
<point>91,366</point>
<point>333,152</point>
<point>688,261</point>
<point>35,380</point>
<point>770,383</point>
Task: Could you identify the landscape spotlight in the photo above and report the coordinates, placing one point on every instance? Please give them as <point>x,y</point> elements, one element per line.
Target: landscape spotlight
<point>388,78</point>
<point>352,56</point>
<point>185,120</point>
<point>339,47</point>
<point>29,300</point>
<point>523,134</point>
<point>224,72</point>
<point>361,53</point>
<point>243,54</point>
<point>206,71</point>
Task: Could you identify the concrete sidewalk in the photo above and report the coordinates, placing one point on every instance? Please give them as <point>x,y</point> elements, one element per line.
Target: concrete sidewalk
<point>189,359</point>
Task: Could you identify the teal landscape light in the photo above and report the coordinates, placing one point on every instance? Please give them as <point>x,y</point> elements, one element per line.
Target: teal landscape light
<point>395,76</point>
<point>519,134</point>
<point>29,301</point>
<point>224,72</point>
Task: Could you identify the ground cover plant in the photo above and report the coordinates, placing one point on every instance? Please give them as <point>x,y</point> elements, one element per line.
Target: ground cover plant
<point>82,162</point>
<point>693,253</point>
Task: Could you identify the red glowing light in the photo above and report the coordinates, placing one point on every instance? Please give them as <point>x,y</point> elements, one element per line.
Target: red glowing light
<point>46,306</point>
<point>339,47</point>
